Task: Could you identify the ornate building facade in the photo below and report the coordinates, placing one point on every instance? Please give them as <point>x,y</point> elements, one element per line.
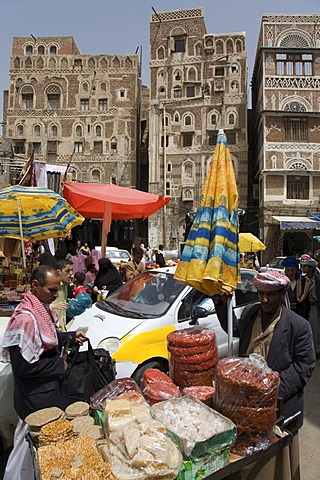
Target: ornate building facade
<point>198,84</point>
<point>285,136</point>
<point>73,108</point>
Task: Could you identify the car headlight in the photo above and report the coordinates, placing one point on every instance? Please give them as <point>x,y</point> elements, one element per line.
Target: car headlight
<point>112,344</point>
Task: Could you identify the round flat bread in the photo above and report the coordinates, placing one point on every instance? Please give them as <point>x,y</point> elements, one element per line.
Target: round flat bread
<point>79,423</point>
<point>77,409</point>
<point>38,419</point>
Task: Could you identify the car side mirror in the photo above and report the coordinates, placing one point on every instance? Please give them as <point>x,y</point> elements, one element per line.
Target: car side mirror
<point>198,312</point>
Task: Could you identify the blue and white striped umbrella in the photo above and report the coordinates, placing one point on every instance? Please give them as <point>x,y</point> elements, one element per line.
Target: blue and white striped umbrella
<point>35,213</point>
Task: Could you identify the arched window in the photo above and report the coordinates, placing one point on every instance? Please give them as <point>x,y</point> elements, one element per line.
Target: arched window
<point>27,97</point>
<point>53,97</point>
<point>169,167</point>
<point>53,50</point>
<point>295,107</point>
<point>177,117</point>
<point>41,50</point>
<point>213,119</point>
<point>162,91</point>
<point>29,50</point>
<point>54,130</point>
<point>78,131</point>
<point>20,130</point>
<point>98,131</point>
<point>177,75</point>
<point>37,130</point>
<point>188,120</point>
<point>85,87</point>
<point>103,87</point>
<point>188,170</point>
<point>229,46</point>
<point>192,74</point>
<point>96,175</point>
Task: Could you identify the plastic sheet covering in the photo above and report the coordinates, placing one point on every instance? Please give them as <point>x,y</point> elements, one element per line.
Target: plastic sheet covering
<point>113,390</point>
<point>193,356</point>
<point>195,427</point>
<point>246,392</point>
<point>141,450</point>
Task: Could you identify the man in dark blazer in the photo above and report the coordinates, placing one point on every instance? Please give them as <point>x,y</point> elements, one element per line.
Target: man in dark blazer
<point>33,345</point>
<point>284,339</point>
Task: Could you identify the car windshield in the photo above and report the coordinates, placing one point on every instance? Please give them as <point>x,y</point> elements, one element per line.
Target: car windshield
<point>148,295</point>
<point>276,263</point>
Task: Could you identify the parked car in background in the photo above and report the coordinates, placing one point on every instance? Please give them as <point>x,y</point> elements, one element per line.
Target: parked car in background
<point>275,264</point>
<point>116,255</point>
<point>133,322</point>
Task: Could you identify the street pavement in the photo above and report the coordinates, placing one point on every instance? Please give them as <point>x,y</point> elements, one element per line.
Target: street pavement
<point>310,432</point>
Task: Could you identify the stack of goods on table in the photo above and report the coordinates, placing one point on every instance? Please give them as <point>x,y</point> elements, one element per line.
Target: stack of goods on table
<point>137,446</point>
<point>66,448</point>
<point>193,356</point>
<point>246,391</point>
<point>203,435</point>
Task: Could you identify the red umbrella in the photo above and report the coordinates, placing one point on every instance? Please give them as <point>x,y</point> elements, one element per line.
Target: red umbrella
<point>111,202</point>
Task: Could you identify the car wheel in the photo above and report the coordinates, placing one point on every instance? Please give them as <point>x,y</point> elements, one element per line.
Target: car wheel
<point>159,364</point>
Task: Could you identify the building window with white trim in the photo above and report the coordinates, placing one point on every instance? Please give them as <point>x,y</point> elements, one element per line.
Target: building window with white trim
<point>78,147</point>
<point>27,97</point>
<point>78,131</point>
<point>103,105</point>
<point>84,104</point>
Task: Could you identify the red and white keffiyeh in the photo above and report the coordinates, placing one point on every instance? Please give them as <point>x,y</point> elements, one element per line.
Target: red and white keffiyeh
<point>271,281</point>
<point>31,327</point>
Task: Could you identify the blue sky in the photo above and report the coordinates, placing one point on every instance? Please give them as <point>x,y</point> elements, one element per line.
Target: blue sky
<point>109,26</point>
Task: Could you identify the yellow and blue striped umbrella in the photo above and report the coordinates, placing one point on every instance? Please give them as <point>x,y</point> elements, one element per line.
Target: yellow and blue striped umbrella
<point>210,258</point>
<point>35,213</point>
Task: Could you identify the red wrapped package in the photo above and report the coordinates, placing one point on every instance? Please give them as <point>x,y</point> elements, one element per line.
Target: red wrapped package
<point>246,392</point>
<point>152,375</point>
<point>159,391</point>
<point>201,392</point>
<point>193,356</point>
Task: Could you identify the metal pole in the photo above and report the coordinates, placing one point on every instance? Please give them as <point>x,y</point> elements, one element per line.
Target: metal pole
<point>230,327</point>
<point>21,236</point>
<point>164,173</point>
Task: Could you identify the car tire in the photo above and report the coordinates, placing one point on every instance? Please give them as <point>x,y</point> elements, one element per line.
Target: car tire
<point>161,365</point>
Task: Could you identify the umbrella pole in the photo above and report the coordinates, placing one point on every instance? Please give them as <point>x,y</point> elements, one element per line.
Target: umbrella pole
<point>106,223</point>
<point>230,326</point>
<point>21,236</point>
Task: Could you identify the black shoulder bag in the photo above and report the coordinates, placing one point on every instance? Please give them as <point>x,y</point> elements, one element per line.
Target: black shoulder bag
<point>88,372</point>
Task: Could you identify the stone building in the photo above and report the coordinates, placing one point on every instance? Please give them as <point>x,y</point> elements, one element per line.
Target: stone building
<point>74,109</point>
<point>197,86</point>
<point>285,145</point>
<point>70,107</point>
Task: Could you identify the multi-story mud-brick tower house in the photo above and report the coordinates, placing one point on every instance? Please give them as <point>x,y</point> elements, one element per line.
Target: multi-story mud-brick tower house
<point>285,145</point>
<point>197,86</point>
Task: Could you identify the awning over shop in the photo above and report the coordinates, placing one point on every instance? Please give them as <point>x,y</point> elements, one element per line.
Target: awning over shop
<point>297,223</point>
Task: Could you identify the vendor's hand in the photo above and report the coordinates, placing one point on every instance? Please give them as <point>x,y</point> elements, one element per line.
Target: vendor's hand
<point>80,338</point>
<point>95,289</point>
<point>65,365</point>
<point>60,306</point>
